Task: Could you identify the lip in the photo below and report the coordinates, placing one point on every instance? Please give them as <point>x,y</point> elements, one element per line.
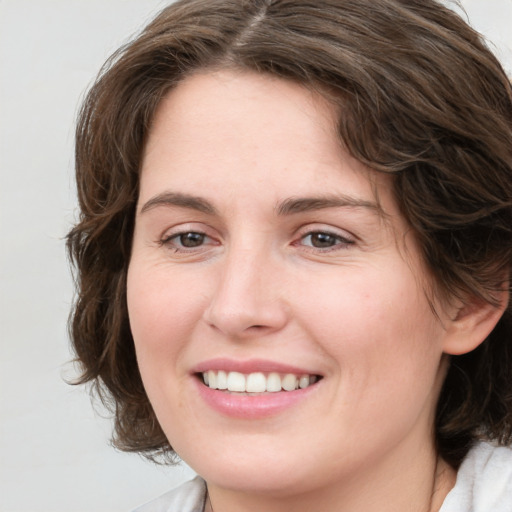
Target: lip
<point>258,406</point>
<point>250,366</point>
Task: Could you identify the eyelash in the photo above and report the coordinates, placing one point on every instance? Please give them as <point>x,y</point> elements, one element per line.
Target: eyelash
<point>171,240</point>
<point>339,242</point>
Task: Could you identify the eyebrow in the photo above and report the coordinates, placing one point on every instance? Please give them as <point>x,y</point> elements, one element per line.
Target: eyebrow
<point>178,199</point>
<point>287,207</point>
<point>306,204</point>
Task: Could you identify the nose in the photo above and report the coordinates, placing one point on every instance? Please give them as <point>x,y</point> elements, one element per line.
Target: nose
<point>247,300</point>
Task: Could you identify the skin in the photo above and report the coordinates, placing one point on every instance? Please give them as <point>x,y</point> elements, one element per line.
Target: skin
<point>256,285</point>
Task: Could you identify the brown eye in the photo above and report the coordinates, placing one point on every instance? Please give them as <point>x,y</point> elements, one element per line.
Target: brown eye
<point>323,240</point>
<point>191,239</point>
<point>188,243</point>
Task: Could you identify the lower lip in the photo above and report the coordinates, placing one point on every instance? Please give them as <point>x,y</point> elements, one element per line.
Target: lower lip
<point>252,406</point>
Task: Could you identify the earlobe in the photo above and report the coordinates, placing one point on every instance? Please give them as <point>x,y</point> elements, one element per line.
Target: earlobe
<point>473,322</point>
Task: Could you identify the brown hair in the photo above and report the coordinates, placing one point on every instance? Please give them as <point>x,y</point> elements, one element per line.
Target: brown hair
<point>421,97</point>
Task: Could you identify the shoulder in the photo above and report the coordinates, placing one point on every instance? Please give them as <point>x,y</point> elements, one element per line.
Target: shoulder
<point>188,497</point>
<point>484,481</point>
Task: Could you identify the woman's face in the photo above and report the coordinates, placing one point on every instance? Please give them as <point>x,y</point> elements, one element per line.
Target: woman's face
<point>262,256</point>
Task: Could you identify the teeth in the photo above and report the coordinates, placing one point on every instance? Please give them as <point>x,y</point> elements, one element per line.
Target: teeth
<point>290,382</point>
<point>212,379</point>
<point>256,382</point>
<point>236,381</point>
<point>304,382</point>
<point>222,380</point>
<point>273,383</point>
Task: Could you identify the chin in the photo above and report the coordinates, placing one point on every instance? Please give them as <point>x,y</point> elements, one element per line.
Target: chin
<point>259,478</point>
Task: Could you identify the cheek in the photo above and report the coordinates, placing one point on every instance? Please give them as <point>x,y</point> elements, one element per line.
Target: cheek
<point>386,346</point>
<point>163,310</point>
<point>379,331</point>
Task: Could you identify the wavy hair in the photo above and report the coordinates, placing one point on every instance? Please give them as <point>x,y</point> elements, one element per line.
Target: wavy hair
<point>421,97</point>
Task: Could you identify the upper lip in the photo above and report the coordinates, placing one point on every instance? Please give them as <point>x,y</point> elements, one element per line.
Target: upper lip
<point>251,366</point>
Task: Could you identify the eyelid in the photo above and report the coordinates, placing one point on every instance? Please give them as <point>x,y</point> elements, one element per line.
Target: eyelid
<point>340,240</point>
<point>186,227</point>
<point>344,238</point>
<point>183,228</point>
<point>171,236</point>
<point>310,228</point>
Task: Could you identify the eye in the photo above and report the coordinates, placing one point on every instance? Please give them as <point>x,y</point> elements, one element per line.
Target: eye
<point>186,240</point>
<point>191,239</point>
<point>325,240</point>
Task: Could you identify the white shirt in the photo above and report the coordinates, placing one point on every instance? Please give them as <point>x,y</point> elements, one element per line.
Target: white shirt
<point>484,481</point>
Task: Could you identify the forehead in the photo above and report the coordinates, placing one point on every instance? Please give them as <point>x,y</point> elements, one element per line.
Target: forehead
<point>255,134</point>
<point>241,110</point>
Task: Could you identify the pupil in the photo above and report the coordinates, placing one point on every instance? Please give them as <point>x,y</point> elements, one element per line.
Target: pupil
<point>322,240</point>
<point>191,239</point>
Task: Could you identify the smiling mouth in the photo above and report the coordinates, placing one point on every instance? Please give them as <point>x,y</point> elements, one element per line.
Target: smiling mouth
<point>256,383</point>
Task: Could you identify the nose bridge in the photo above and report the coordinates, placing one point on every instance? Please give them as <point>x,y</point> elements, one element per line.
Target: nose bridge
<point>247,296</point>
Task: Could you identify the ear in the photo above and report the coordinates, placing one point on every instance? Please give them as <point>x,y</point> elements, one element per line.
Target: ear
<point>473,322</point>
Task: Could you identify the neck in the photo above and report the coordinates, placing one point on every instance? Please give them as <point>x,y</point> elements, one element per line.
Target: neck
<point>421,486</point>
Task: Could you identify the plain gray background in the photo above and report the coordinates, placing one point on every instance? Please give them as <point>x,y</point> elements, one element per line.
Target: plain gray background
<point>55,455</point>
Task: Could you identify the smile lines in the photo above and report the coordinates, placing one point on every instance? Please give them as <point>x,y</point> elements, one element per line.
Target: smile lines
<point>257,382</point>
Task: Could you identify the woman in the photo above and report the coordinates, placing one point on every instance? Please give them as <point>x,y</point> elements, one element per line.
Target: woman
<point>294,254</point>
